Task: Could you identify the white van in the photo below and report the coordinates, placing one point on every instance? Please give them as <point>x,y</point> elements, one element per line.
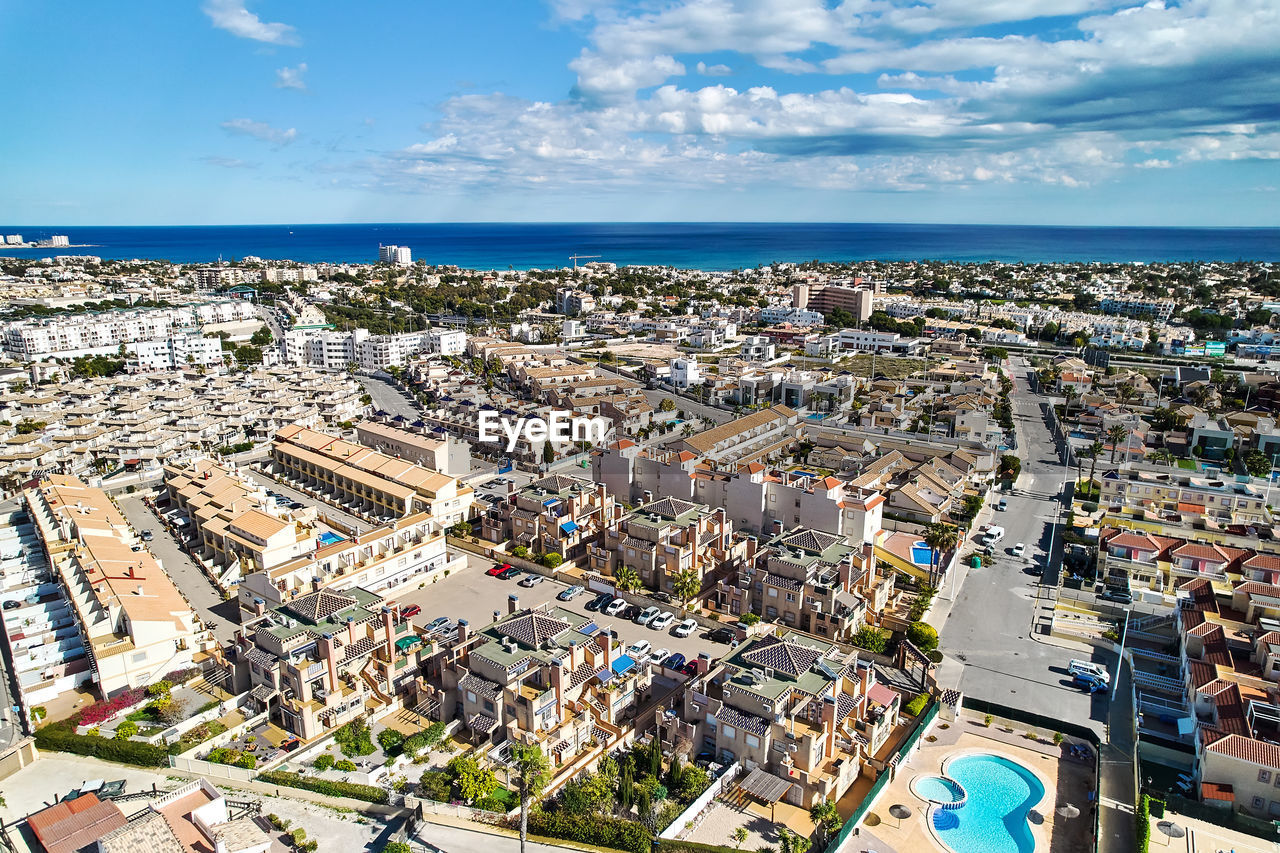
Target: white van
<point>994,535</point>
<point>1091,669</point>
<point>1002,505</point>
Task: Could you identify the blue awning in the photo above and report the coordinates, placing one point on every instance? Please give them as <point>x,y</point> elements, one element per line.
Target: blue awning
<point>551,502</point>
<point>605,676</point>
<point>623,664</point>
<point>569,526</point>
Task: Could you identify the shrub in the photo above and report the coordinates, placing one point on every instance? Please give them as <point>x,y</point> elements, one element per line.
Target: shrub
<point>299,835</point>
<point>520,551</point>
<point>1142,825</point>
<point>592,829</point>
<point>391,741</point>
<point>323,762</point>
<point>39,712</point>
<point>871,638</point>
<point>917,705</point>
<point>397,847</point>
<point>923,636</point>
<point>986,721</point>
<point>435,785</point>
<point>159,688</point>
<point>61,737</point>
<point>345,766</point>
<point>552,560</point>
<point>749,619</point>
<point>368,793</point>
<point>414,744</point>
<point>1089,507</point>
<point>354,739</point>
<point>100,712</point>
<point>126,730</point>
<point>1058,738</point>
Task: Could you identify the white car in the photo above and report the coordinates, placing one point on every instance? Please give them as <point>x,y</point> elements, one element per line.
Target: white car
<point>613,608</point>
<point>659,656</point>
<point>647,615</point>
<point>1019,549</point>
<point>662,621</point>
<point>686,628</point>
<point>637,651</point>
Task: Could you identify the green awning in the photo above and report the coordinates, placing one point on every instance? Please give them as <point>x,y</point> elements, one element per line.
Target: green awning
<point>406,643</point>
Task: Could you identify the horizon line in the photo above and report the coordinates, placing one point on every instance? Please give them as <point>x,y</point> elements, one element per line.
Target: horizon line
<point>531,222</point>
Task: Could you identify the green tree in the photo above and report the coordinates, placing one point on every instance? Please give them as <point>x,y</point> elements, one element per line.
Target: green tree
<point>532,771</point>
<point>391,741</point>
<point>1069,393</point>
<point>473,781</point>
<point>1095,450</point>
<point>923,636</point>
<point>1116,434</point>
<point>792,842</point>
<point>739,837</point>
<point>548,453</point>
<point>552,560</point>
<point>626,579</point>
<point>826,818</point>
<point>686,584</point>
<point>941,539</point>
<point>1257,463</point>
<point>667,405</point>
<point>871,638</point>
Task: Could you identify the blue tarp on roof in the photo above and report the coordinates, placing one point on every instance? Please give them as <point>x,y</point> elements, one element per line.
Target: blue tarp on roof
<point>589,629</point>
<point>623,664</point>
<point>605,676</point>
<point>551,501</point>
<point>569,526</point>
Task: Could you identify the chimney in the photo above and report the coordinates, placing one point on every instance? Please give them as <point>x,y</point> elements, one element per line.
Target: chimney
<point>463,624</point>
<point>259,607</point>
<point>869,558</point>
<point>315,584</point>
<point>777,526</point>
<point>388,620</point>
<point>864,676</point>
<point>605,641</point>
<point>557,683</point>
<point>829,725</point>
<point>752,545</point>
<point>141,590</point>
<point>330,654</point>
<point>648,496</point>
<point>513,603</point>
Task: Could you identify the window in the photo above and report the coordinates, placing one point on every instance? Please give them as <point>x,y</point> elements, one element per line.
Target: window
<point>730,731</point>
<point>488,706</point>
<point>1258,802</point>
<point>1264,776</point>
<point>753,742</point>
<point>791,596</point>
<point>471,697</point>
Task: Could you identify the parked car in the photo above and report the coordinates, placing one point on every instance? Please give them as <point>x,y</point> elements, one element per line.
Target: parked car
<point>409,612</point>
<point>147,535</point>
<point>1090,669</point>
<point>663,597</point>
<point>690,669</point>
<point>599,601</point>
<point>632,611</point>
<point>662,621</point>
<point>686,628</point>
<point>722,635</point>
<point>1018,550</point>
<point>647,615</point>
<point>1089,683</point>
<point>637,651</point>
<point>571,593</point>
<point>498,568</point>
<point>509,573</point>
<point>1002,505</point>
<point>532,580</point>
<point>1117,596</point>
<point>659,656</point>
<point>613,608</point>
<point>12,604</point>
<point>436,624</point>
<point>676,661</point>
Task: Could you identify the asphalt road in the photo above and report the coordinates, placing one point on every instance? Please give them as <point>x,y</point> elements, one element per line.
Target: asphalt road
<point>388,398</point>
<point>10,728</point>
<point>223,616</point>
<point>990,625</point>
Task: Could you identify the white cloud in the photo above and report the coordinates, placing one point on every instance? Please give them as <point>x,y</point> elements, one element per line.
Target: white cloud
<point>260,130</point>
<point>232,16</point>
<point>713,70</point>
<point>291,78</point>
<point>228,162</point>
<point>599,77</point>
<point>1154,163</point>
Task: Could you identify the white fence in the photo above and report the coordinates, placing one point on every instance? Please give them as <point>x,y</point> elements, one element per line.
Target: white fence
<point>694,812</point>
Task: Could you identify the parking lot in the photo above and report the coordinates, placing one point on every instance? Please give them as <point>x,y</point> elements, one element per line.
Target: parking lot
<point>475,596</point>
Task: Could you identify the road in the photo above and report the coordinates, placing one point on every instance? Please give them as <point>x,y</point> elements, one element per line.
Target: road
<point>388,398</point>
<point>10,728</point>
<point>354,522</point>
<point>221,615</point>
<point>990,626</point>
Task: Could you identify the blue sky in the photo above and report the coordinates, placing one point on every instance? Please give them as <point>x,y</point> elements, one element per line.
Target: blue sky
<point>1013,111</point>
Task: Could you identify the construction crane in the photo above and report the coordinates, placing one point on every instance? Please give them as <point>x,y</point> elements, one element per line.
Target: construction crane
<point>575,258</point>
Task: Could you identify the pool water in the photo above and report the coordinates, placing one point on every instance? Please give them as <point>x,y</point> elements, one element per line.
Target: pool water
<point>938,789</point>
<point>328,538</point>
<point>921,554</point>
<point>994,818</point>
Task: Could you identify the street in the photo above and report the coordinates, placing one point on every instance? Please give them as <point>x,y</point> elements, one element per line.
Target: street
<point>220,615</point>
<point>990,625</point>
<point>388,398</point>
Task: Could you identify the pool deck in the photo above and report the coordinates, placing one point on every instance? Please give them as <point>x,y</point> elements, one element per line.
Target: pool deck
<point>1065,782</point>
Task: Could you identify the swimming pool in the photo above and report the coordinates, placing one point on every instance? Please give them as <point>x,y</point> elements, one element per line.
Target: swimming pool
<point>328,538</point>
<point>921,554</point>
<point>993,819</point>
<point>940,790</point>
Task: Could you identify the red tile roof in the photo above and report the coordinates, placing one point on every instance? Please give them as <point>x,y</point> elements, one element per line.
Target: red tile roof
<point>1247,749</point>
<point>1217,791</point>
<point>70,825</point>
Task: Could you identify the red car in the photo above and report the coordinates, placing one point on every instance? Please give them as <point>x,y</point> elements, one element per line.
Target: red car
<point>497,570</point>
<point>409,612</point>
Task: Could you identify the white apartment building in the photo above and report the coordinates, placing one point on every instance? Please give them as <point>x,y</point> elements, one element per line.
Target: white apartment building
<point>570,301</point>
<point>1138,306</point>
<point>866,340</point>
<point>102,334</point>
<point>334,350</point>
<point>400,255</point>
<point>788,314</point>
<point>13,239</point>
<point>759,348</point>
<point>174,352</point>
<point>447,341</point>
<point>59,240</point>
<point>212,278</point>
<point>685,372</point>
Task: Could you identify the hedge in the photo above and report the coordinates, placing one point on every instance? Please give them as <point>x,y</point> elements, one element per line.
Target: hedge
<point>368,793</point>
<point>61,737</point>
<point>672,845</point>
<point>592,829</point>
<point>1142,824</point>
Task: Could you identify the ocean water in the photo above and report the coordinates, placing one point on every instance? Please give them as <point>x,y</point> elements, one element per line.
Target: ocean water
<point>710,246</point>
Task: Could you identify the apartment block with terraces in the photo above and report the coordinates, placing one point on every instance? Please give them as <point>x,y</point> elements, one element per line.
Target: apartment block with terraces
<point>553,515</point>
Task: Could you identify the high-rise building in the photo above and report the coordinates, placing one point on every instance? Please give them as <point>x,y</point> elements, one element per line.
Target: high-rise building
<point>395,255</point>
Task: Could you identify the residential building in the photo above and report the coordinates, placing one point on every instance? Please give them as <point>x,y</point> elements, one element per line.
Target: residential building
<point>553,515</point>
<point>136,624</point>
<point>75,824</point>
<point>176,352</point>
<point>685,372</point>
<point>446,455</point>
<point>758,348</point>
<point>103,333</point>
<point>573,302</point>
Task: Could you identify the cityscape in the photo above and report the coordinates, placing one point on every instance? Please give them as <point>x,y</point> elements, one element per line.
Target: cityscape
<point>697,426</point>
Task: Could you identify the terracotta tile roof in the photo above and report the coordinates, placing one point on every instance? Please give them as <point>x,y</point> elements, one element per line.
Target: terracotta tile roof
<point>1247,749</point>
<point>1257,588</point>
<point>72,824</point>
<point>1217,791</point>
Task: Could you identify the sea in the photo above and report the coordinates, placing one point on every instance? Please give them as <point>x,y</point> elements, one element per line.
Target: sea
<point>688,245</point>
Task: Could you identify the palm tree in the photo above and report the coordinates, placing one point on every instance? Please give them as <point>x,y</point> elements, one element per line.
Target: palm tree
<point>686,584</point>
<point>826,818</point>
<point>626,579</point>
<point>1069,393</point>
<point>1095,450</point>
<point>739,836</point>
<point>792,842</point>
<point>1125,393</point>
<point>532,774</point>
<point>940,538</point>
<point>1116,434</point>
